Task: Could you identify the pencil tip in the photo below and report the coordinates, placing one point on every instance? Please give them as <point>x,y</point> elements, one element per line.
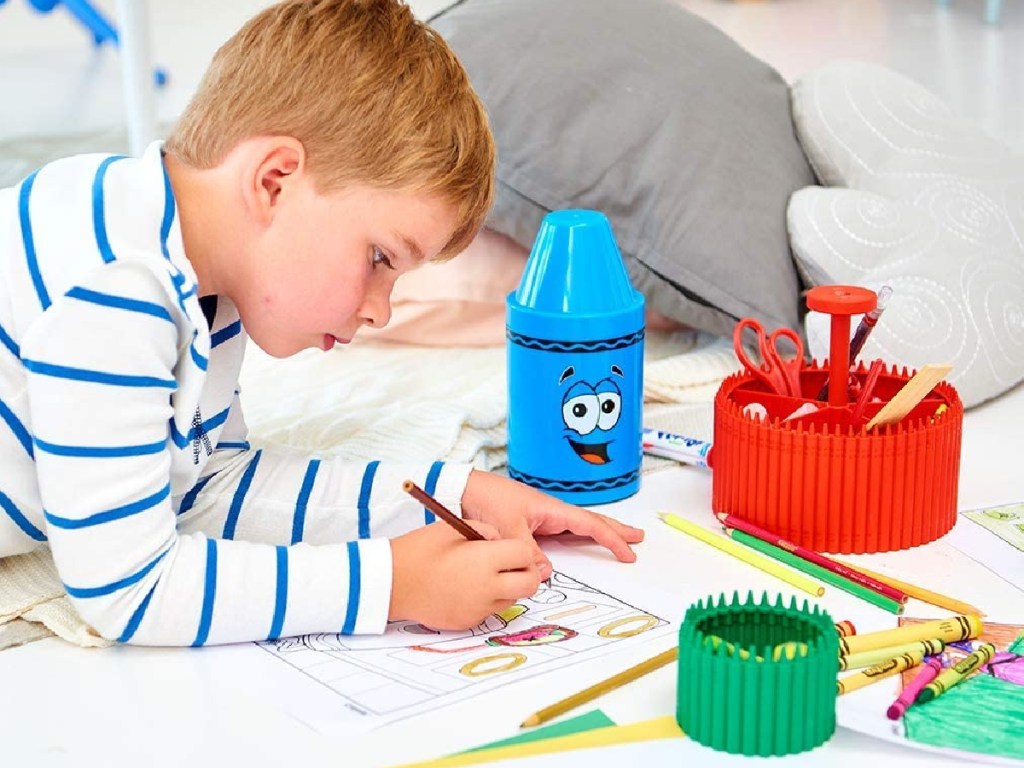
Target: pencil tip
<point>663,515</point>
<point>529,722</point>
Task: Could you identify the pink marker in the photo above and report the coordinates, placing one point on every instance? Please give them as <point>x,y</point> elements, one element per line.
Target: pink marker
<point>929,670</point>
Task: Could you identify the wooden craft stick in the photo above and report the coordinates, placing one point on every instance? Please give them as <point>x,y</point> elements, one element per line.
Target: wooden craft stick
<point>912,393</point>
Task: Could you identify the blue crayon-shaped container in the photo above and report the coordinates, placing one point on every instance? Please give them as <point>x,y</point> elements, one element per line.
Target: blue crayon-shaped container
<point>575,339</point>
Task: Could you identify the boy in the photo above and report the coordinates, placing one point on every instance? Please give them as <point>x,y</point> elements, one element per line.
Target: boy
<point>333,146</point>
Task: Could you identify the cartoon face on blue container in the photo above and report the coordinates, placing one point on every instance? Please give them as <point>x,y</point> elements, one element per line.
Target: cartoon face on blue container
<point>575,329</point>
<point>590,412</point>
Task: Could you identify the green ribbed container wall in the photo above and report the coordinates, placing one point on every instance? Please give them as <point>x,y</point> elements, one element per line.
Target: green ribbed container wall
<point>735,697</point>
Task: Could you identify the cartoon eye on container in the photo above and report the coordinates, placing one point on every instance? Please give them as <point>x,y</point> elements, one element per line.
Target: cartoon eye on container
<point>590,412</point>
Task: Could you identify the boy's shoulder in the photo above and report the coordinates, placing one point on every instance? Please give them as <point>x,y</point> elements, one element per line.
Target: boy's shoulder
<point>92,218</point>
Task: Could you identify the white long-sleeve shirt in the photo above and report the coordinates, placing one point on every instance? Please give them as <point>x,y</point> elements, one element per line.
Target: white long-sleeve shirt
<point>123,447</point>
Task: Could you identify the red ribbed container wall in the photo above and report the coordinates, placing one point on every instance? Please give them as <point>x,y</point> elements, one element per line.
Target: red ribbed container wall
<point>827,484</point>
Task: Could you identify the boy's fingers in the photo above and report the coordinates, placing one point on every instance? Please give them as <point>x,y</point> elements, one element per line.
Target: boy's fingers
<point>628,532</point>
<point>600,531</point>
<point>511,555</point>
<point>486,530</point>
<point>516,584</point>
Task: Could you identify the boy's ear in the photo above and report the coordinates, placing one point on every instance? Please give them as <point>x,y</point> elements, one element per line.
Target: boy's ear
<point>278,164</point>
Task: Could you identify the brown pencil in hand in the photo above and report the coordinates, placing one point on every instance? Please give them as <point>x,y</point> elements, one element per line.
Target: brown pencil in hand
<point>441,511</point>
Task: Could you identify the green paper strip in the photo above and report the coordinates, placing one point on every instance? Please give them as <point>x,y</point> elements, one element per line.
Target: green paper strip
<point>818,572</point>
<point>585,722</point>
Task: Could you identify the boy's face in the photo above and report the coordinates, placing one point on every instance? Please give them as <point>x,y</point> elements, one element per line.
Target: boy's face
<point>326,263</point>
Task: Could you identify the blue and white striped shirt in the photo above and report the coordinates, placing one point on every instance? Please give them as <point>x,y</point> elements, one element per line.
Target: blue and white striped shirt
<point>122,442</point>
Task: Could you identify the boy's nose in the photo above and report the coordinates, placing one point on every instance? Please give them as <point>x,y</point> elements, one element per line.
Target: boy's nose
<point>376,310</point>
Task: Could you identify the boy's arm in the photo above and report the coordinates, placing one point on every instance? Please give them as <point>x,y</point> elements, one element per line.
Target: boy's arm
<point>286,496</point>
<point>101,365</point>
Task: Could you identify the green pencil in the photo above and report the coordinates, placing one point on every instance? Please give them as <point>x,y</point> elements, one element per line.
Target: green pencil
<point>817,571</point>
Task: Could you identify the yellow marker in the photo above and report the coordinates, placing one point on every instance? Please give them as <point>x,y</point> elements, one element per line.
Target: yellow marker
<point>957,673</point>
<point>740,552</point>
<point>878,672</point>
<point>878,655</point>
<point>947,630</point>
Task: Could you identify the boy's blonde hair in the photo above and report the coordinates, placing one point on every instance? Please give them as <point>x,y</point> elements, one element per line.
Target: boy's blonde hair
<point>375,96</point>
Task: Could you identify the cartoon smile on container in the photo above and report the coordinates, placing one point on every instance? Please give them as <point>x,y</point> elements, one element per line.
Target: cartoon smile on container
<point>590,412</point>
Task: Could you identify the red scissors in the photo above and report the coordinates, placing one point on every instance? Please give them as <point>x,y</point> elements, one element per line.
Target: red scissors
<point>780,374</point>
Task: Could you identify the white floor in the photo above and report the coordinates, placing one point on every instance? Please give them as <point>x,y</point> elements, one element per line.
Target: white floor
<point>52,79</point>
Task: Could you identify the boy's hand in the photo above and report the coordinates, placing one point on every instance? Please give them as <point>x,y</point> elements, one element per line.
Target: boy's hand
<point>519,511</point>
<point>446,582</point>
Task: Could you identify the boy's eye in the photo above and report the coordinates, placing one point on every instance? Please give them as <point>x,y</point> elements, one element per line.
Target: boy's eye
<point>379,257</point>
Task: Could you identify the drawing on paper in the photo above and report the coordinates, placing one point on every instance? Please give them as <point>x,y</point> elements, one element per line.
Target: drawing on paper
<point>412,667</point>
<point>1006,522</point>
<point>954,719</point>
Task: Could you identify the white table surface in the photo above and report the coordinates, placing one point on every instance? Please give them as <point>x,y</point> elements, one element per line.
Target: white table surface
<point>63,705</point>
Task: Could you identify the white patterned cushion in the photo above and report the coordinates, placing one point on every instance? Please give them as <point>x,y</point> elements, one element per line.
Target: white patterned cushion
<point>929,205</point>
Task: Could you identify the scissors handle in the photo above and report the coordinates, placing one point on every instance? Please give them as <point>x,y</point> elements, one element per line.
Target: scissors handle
<point>780,374</point>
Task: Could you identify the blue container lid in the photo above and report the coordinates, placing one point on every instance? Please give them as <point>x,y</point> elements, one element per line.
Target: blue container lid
<point>575,284</point>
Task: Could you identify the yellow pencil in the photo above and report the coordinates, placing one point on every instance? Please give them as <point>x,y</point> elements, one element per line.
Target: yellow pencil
<point>920,593</point>
<point>740,552</point>
<point>597,689</point>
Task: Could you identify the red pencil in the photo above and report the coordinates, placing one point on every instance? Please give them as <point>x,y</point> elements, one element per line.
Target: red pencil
<point>729,521</point>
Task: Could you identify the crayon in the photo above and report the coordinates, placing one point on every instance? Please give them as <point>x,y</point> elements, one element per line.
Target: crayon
<point>887,668</point>
<point>715,642</point>
<point>929,670</point>
<point>957,673</point>
<point>845,628</point>
<point>950,630</point>
<point>789,650</point>
<point>878,655</point>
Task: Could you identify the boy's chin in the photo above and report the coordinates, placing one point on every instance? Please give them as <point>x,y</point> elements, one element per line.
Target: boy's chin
<point>280,348</point>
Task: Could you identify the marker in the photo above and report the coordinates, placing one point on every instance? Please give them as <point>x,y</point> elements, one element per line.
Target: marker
<point>928,672</point>
<point>878,672</point>
<point>878,655</point>
<point>688,450</point>
<point>957,673</point>
<point>947,630</point>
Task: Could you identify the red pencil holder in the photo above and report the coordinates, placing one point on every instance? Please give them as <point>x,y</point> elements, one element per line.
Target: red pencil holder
<point>825,482</point>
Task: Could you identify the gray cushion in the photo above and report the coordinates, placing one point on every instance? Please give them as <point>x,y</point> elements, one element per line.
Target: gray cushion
<point>931,206</point>
<point>643,111</point>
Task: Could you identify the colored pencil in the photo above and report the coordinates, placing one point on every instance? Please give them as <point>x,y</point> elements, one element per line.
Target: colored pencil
<point>731,521</point>
<point>441,511</point>
<point>817,572</point>
<point>598,689</point>
<point>730,547</point>
<point>922,594</point>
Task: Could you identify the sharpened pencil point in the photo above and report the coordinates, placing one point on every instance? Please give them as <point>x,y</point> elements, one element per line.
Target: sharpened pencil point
<point>529,722</point>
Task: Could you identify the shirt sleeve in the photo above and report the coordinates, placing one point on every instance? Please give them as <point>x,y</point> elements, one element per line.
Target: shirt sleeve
<point>100,365</point>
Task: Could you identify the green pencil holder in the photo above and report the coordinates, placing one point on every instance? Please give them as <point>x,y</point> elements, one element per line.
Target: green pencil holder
<point>757,678</point>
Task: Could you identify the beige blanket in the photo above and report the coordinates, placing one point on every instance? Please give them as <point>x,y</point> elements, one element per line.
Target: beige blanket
<point>407,403</point>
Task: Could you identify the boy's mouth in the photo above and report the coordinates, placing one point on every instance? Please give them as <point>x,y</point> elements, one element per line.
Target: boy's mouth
<point>330,340</point>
